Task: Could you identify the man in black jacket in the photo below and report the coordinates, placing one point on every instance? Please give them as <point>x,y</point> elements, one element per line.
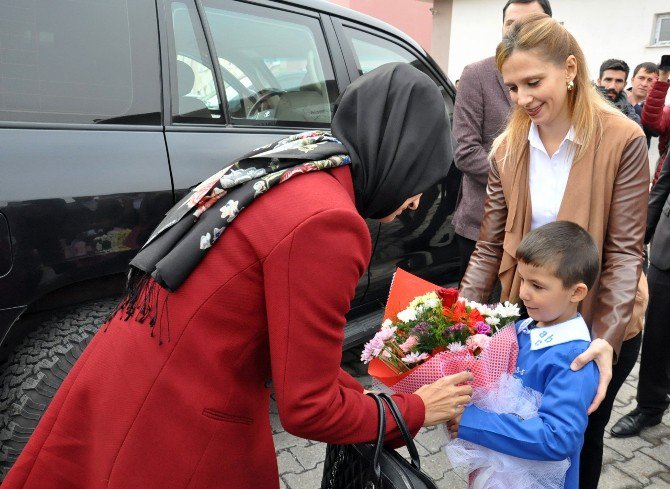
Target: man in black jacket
<point>612,81</point>
<point>653,388</point>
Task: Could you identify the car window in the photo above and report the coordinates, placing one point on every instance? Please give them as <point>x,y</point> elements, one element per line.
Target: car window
<point>195,98</point>
<point>274,64</point>
<point>371,51</point>
<point>79,62</point>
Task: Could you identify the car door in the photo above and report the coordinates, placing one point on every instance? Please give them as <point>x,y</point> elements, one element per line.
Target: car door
<point>421,242</point>
<point>274,74</point>
<point>84,166</point>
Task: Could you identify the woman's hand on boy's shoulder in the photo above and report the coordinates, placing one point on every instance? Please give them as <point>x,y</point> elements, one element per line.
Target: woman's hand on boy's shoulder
<point>602,353</point>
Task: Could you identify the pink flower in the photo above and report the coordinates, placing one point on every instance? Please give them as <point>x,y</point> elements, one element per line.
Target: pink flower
<point>478,342</point>
<point>409,343</point>
<point>386,334</point>
<point>202,189</point>
<point>414,358</point>
<point>482,328</point>
<point>372,349</point>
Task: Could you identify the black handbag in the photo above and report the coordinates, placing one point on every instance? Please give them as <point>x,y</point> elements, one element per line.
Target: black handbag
<point>371,465</point>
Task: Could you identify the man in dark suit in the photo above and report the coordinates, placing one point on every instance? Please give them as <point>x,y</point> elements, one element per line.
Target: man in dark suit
<point>653,388</point>
<point>480,114</point>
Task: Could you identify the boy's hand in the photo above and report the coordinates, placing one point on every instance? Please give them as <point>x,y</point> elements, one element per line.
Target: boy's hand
<point>603,353</point>
<point>452,426</point>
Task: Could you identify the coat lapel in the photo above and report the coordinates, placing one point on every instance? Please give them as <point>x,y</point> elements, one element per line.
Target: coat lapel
<point>576,202</point>
<point>515,184</point>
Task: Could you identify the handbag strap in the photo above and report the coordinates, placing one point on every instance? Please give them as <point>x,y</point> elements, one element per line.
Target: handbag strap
<point>380,435</point>
<point>404,431</point>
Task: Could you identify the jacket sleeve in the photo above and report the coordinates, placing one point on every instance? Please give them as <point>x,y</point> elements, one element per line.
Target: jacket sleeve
<point>653,119</point>
<point>657,197</point>
<point>629,111</point>
<point>310,279</point>
<point>482,271</point>
<point>471,156</point>
<point>622,247</point>
<point>554,434</point>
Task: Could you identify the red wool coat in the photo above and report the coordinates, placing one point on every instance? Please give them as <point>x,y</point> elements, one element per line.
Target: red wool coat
<point>268,301</point>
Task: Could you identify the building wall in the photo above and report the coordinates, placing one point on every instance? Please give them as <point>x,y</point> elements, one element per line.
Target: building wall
<point>616,29</point>
<point>410,16</point>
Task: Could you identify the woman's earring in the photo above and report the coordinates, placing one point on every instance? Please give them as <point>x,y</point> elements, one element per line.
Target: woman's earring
<point>571,86</point>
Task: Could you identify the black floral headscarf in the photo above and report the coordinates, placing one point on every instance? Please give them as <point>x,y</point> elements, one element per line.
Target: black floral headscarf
<point>394,125</point>
<point>393,131</point>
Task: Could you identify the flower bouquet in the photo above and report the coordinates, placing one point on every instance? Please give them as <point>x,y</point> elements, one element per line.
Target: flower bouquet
<point>429,332</point>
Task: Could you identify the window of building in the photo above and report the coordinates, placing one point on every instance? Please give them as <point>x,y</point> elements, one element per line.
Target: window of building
<point>662,30</point>
<point>79,62</point>
<point>274,64</point>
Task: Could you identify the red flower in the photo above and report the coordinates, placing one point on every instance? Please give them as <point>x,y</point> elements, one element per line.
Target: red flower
<point>455,313</point>
<point>448,296</point>
<point>474,317</point>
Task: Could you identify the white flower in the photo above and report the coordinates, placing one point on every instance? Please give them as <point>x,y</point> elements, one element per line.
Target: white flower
<point>456,347</point>
<point>387,324</point>
<point>507,310</point>
<point>414,358</point>
<point>425,299</point>
<point>205,241</point>
<point>492,321</point>
<point>230,210</point>
<point>483,309</point>
<point>407,315</point>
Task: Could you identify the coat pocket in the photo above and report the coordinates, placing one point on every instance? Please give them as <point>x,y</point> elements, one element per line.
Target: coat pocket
<point>221,416</point>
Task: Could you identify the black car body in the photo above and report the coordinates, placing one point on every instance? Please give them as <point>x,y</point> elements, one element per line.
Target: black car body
<point>110,110</point>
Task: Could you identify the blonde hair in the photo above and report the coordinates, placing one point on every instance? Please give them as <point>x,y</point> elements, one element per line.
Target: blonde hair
<point>555,44</point>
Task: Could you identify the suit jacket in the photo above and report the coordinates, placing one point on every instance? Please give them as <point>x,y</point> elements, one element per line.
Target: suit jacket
<point>606,193</point>
<point>658,219</point>
<point>268,301</point>
<point>480,114</point>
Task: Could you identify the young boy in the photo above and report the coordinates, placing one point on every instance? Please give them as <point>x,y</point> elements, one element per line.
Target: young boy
<point>557,262</point>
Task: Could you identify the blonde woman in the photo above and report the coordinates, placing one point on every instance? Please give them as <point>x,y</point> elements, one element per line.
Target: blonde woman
<point>566,154</point>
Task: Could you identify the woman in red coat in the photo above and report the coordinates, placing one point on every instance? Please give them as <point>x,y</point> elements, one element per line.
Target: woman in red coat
<point>174,391</point>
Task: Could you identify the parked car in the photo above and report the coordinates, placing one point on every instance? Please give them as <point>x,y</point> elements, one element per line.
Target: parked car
<point>110,111</point>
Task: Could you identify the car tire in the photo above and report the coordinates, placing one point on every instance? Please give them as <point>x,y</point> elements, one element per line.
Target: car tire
<point>37,367</point>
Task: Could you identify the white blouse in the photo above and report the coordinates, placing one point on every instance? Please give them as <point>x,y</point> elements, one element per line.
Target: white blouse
<point>548,176</point>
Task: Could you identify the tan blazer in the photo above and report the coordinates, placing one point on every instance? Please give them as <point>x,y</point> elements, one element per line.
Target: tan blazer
<point>607,194</point>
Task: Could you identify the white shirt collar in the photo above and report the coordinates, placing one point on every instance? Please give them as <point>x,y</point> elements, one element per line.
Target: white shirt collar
<point>536,142</point>
<point>556,334</point>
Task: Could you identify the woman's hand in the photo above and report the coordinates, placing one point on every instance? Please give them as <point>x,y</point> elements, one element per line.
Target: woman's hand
<point>603,353</point>
<point>445,399</point>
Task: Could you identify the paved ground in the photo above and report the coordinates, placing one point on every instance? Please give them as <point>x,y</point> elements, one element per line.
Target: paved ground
<point>630,463</point>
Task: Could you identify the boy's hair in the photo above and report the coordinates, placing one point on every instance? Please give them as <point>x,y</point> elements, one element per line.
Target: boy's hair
<point>614,64</point>
<point>649,67</point>
<point>566,246</point>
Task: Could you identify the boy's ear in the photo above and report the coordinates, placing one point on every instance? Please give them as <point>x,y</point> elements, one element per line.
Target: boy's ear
<point>579,292</point>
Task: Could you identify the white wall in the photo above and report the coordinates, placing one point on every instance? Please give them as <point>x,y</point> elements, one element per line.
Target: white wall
<point>614,29</point>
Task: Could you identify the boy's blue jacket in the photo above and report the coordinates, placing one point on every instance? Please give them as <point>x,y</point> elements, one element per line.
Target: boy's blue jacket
<point>545,355</point>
